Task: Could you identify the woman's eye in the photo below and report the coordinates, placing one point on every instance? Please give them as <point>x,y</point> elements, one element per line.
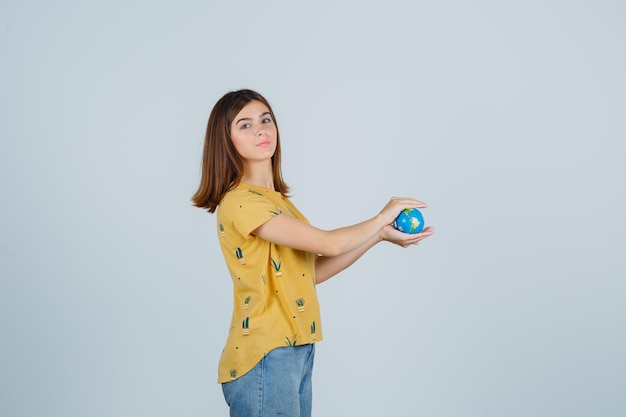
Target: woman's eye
<point>245,125</point>
<point>267,120</point>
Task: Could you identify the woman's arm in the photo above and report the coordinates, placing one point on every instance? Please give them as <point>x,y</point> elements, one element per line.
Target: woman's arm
<point>327,267</point>
<point>285,230</point>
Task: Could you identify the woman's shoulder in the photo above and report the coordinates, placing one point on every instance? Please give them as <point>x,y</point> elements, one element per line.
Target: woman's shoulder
<point>242,193</point>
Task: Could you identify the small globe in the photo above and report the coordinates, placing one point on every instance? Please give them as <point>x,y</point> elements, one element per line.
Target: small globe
<point>409,221</point>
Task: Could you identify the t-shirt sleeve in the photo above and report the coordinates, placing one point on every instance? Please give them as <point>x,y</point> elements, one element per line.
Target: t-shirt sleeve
<point>252,211</point>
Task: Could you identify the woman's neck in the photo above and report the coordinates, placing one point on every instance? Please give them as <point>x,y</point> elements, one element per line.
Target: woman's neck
<point>259,174</point>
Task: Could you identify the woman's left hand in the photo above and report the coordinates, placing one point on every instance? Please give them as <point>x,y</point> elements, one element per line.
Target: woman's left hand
<point>391,234</point>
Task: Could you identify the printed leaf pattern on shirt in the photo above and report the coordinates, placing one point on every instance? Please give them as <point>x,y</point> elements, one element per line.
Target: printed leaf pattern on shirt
<point>245,326</point>
<point>239,255</point>
<point>276,212</point>
<point>276,266</point>
<point>291,342</point>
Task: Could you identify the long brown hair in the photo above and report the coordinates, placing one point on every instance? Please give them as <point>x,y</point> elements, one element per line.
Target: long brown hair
<point>222,166</point>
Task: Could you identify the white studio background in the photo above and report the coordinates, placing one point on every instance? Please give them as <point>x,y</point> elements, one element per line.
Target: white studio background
<point>506,117</point>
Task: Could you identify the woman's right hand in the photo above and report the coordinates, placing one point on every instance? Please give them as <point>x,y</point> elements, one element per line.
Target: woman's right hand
<point>396,205</point>
<point>390,234</point>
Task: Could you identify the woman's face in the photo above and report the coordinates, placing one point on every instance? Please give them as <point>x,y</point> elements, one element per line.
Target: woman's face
<point>253,132</point>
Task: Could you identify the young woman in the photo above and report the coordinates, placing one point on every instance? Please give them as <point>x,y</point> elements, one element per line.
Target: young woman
<point>275,259</point>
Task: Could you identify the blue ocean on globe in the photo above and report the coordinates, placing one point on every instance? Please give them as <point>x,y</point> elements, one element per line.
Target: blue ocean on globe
<point>409,221</point>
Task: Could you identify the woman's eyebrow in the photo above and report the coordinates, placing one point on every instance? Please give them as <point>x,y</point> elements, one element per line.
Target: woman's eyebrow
<point>250,118</point>
<point>242,119</point>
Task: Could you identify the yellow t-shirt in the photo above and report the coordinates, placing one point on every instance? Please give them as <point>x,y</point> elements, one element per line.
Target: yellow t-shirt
<point>275,299</point>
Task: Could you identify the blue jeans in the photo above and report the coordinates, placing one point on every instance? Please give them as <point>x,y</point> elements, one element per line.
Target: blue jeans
<point>280,384</point>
